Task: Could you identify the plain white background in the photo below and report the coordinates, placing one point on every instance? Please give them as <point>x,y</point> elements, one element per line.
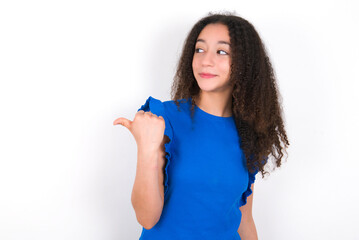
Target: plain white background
<point>68,69</point>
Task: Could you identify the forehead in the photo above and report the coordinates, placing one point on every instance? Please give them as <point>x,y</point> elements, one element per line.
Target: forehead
<point>214,32</point>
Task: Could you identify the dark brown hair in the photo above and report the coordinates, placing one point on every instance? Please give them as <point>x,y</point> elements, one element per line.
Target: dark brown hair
<point>255,97</point>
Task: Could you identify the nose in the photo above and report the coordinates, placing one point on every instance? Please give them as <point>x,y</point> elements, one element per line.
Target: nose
<point>208,59</point>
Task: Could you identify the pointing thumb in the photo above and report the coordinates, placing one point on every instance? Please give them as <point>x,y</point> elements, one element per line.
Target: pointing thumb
<point>123,121</point>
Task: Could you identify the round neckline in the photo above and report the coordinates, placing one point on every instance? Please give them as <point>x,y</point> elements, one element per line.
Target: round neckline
<point>211,116</point>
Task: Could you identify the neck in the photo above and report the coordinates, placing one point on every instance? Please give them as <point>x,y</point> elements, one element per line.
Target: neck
<point>217,104</point>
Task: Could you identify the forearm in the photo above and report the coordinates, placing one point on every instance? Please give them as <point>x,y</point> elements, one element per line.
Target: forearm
<point>146,199</point>
<point>247,229</point>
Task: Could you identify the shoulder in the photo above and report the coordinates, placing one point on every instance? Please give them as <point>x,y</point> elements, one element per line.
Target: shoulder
<point>172,111</point>
<point>176,105</point>
<point>177,110</point>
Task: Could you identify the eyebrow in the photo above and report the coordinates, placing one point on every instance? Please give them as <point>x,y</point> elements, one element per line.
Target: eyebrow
<point>219,42</point>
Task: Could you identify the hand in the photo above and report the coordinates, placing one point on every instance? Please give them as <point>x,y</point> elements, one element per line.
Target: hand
<point>147,129</point>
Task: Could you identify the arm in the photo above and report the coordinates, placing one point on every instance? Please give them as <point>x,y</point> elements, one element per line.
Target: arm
<point>148,129</point>
<point>148,190</point>
<point>247,229</point>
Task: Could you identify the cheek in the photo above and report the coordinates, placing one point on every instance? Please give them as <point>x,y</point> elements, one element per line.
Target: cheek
<point>194,63</point>
<point>225,66</point>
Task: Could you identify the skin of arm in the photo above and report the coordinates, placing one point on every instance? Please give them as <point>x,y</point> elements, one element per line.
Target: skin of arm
<point>146,201</point>
<point>147,196</point>
<point>247,228</point>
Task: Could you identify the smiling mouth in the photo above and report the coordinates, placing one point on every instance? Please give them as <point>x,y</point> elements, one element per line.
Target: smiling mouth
<point>207,75</point>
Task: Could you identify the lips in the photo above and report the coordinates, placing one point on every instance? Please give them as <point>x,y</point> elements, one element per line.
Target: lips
<point>207,75</point>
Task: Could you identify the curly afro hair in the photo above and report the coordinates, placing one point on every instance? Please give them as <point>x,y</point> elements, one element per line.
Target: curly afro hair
<point>255,96</point>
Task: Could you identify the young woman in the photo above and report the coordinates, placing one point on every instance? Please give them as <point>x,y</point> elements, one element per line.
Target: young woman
<point>198,153</point>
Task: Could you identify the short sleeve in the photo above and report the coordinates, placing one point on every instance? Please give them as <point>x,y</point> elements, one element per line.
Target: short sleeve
<point>251,179</point>
<point>248,192</point>
<point>156,106</point>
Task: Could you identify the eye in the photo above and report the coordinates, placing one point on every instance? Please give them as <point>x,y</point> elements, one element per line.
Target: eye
<point>198,50</point>
<point>225,53</point>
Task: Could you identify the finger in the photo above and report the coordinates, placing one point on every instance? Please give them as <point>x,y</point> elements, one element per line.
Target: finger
<point>122,121</point>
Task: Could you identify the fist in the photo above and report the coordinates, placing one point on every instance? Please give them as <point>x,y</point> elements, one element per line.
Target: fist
<point>147,128</point>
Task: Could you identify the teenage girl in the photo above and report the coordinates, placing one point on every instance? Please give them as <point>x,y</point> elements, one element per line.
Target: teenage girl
<point>195,178</point>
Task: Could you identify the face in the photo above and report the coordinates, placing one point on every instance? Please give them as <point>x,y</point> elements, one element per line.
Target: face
<point>212,60</point>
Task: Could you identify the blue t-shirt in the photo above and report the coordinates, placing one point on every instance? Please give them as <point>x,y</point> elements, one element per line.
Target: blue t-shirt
<point>206,179</point>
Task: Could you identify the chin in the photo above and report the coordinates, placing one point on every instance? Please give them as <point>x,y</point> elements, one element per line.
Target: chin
<point>208,86</point>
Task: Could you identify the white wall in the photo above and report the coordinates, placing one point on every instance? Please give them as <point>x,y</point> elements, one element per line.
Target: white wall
<point>69,68</point>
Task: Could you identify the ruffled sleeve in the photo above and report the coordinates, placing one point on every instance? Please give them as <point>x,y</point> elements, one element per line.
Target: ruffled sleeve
<point>248,192</point>
<point>251,179</point>
<point>156,106</point>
